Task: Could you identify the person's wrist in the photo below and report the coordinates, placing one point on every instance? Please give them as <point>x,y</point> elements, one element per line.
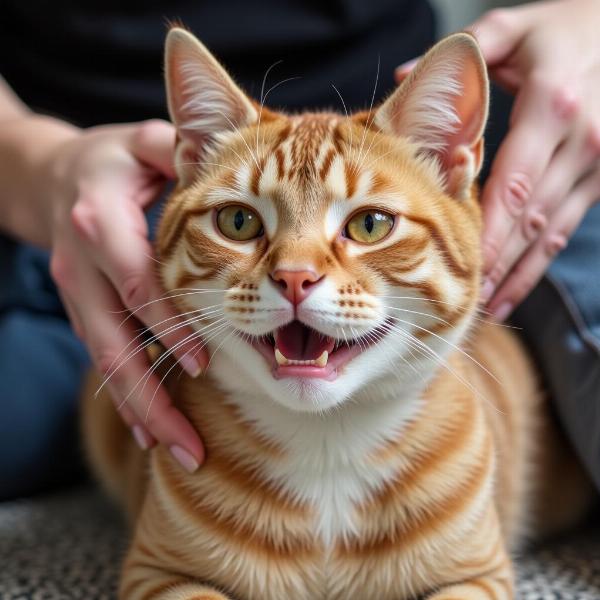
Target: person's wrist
<point>48,174</point>
<point>30,142</point>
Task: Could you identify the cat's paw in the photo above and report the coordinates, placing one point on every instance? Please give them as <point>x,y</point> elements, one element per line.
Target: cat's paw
<point>192,591</point>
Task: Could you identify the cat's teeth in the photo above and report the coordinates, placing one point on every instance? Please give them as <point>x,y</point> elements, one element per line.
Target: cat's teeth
<point>322,360</point>
<point>280,358</point>
<point>283,361</point>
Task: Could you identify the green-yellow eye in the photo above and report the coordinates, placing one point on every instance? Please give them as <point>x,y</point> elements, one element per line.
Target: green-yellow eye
<point>239,223</point>
<point>369,226</point>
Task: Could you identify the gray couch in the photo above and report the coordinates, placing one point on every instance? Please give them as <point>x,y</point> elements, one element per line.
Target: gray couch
<point>69,545</point>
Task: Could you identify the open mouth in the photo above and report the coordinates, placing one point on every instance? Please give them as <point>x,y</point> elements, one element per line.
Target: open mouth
<point>296,350</point>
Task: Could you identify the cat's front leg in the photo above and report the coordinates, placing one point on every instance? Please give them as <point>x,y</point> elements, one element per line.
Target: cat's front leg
<point>495,585</point>
<point>148,583</point>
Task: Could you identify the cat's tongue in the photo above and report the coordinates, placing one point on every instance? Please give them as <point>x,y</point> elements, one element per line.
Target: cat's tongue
<point>298,342</point>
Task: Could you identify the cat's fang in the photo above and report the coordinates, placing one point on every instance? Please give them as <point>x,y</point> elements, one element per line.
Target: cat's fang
<point>280,358</point>
<point>322,360</point>
<point>284,362</point>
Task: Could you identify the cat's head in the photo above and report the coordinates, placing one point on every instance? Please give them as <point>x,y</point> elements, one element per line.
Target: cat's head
<point>324,257</point>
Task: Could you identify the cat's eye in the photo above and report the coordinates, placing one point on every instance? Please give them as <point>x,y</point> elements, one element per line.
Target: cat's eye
<point>369,226</point>
<point>239,223</point>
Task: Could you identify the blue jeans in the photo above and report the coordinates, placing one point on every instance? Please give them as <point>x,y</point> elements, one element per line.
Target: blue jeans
<point>41,367</point>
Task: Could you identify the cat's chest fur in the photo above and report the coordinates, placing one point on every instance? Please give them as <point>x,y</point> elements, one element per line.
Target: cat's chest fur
<point>329,462</point>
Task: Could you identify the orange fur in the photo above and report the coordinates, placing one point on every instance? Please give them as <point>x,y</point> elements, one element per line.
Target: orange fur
<point>432,506</point>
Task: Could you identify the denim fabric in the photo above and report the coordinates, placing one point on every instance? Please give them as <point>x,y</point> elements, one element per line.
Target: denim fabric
<point>41,366</point>
<point>560,322</point>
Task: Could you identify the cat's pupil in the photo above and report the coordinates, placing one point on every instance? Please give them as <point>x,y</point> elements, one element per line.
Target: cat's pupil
<point>369,223</point>
<point>238,220</point>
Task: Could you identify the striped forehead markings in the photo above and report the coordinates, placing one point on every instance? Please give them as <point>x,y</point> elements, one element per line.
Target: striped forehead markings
<point>309,151</point>
<point>307,148</point>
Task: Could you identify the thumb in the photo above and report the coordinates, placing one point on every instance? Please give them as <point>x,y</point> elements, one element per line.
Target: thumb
<point>498,33</point>
<point>153,143</point>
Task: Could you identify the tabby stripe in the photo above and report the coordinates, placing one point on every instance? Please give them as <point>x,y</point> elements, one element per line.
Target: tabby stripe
<point>426,288</point>
<point>280,164</point>
<point>283,134</point>
<point>380,184</point>
<point>451,509</point>
<point>327,162</point>
<point>351,179</point>
<point>140,575</point>
<point>338,139</point>
<point>444,450</point>
<point>142,549</point>
<point>248,482</point>
<point>410,265</point>
<point>189,280</point>
<point>176,234</point>
<point>256,175</point>
<point>230,528</point>
<point>196,260</point>
<point>506,582</point>
<point>415,244</point>
<point>458,269</point>
<point>486,587</point>
<point>162,587</point>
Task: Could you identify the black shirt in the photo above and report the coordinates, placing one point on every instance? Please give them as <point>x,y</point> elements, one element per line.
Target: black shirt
<point>100,61</point>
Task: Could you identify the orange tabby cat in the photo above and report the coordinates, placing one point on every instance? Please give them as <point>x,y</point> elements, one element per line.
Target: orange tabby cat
<point>368,438</point>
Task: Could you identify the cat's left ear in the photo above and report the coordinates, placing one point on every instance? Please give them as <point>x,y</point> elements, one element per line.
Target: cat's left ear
<point>203,100</point>
<point>442,106</point>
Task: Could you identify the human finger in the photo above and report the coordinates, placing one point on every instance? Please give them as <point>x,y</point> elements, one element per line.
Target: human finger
<point>143,438</point>
<point>119,355</point>
<point>153,143</point>
<point>498,32</point>
<point>127,260</point>
<point>73,314</point>
<point>538,126</point>
<point>536,260</point>
<point>572,160</point>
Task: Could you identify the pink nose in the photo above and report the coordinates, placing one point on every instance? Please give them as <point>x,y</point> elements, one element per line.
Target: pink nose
<point>296,286</point>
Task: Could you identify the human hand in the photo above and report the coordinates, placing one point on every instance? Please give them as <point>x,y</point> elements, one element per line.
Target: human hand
<point>97,186</point>
<point>546,174</point>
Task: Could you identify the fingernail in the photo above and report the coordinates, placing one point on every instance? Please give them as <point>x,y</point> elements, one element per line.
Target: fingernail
<point>190,365</point>
<point>141,437</point>
<point>503,311</point>
<point>184,458</point>
<point>487,289</point>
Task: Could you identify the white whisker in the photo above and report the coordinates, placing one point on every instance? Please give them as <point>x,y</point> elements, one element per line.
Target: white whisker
<point>150,342</point>
<point>367,123</point>
<point>454,346</point>
<point>160,383</point>
<point>149,372</point>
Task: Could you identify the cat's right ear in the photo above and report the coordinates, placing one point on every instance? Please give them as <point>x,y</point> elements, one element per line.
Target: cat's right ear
<point>203,100</point>
<point>442,106</point>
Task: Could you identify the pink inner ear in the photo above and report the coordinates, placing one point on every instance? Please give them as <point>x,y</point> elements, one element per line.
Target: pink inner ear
<point>175,81</point>
<point>471,109</point>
